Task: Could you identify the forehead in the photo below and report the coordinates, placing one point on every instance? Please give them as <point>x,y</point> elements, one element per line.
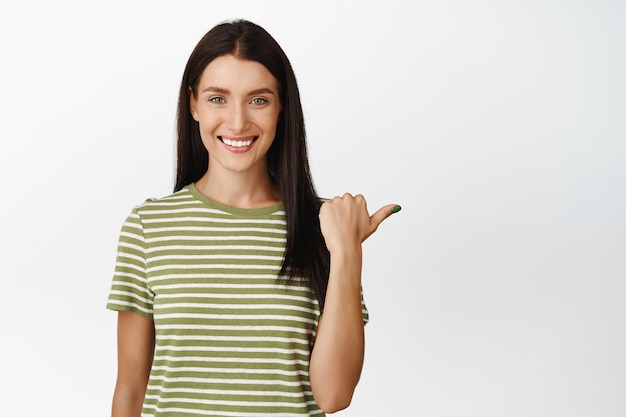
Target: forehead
<point>236,74</point>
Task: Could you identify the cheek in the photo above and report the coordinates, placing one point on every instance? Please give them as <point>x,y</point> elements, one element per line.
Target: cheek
<point>272,123</point>
<point>207,132</point>
<point>207,123</point>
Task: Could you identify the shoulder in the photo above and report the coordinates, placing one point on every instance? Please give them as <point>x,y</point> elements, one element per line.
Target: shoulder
<point>172,201</point>
<point>153,212</point>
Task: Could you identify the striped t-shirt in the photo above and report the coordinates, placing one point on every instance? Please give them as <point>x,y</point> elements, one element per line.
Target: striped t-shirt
<point>231,340</point>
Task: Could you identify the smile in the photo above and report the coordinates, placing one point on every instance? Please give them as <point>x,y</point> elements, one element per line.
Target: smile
<point>238,143</point>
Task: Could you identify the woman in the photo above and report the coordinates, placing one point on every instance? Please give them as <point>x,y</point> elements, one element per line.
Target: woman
<point>220,286</point>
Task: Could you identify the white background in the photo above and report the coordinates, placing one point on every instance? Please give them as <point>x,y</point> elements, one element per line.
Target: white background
<point>499,126</point>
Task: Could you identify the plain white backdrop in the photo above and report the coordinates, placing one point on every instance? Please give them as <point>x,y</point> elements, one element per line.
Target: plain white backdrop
<point>500,127</point>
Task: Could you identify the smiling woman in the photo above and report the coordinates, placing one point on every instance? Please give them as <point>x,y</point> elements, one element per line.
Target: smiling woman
<point>237,111</point>
<point>221,286</point>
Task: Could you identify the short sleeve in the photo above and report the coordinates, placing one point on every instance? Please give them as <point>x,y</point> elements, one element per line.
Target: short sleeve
<point>366,314</point>
<point>130,290</point>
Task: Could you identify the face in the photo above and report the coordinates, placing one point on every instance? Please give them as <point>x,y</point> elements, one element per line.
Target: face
<point>237,107</point>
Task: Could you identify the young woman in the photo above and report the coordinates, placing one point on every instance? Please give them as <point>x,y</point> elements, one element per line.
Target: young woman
<point>221,286</point>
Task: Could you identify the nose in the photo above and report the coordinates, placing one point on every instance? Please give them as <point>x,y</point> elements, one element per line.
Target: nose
<point>237,118</point>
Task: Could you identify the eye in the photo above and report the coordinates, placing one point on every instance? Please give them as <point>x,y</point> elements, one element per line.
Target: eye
<point>258,101</point>
<point>216,100</point>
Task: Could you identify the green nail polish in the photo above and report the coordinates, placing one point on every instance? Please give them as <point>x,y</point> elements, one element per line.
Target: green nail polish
<point>396,209</point>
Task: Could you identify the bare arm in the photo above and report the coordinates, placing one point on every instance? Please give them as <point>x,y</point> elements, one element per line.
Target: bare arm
<point>337,357</point>
<point>135,351</point>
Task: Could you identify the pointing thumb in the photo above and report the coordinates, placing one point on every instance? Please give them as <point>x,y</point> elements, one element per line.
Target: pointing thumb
<point>377,218</point>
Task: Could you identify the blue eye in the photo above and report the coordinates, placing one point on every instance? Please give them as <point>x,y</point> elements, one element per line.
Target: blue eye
<point>259,100</point>
<point>217,100</point>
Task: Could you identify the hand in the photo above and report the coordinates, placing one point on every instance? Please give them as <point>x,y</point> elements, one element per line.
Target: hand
<point>345,221</point>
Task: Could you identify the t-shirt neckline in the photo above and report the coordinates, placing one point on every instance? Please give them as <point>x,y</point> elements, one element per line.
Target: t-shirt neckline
<point>237,211</point>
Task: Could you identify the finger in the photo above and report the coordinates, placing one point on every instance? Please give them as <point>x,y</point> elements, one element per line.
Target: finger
<point>377,218</point>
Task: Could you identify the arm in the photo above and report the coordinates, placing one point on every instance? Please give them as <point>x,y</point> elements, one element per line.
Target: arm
<point>135,351</point>
<point>337,356</point>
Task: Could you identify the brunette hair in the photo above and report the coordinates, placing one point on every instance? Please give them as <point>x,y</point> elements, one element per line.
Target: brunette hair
<point>306,255</point>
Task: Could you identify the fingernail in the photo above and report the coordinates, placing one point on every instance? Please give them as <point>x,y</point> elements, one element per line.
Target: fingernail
<point>396,209</point>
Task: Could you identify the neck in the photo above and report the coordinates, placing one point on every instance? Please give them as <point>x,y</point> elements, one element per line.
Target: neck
<point>242,190</point>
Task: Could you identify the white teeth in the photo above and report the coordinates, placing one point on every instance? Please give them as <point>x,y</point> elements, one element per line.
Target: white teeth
<point>237,143</point>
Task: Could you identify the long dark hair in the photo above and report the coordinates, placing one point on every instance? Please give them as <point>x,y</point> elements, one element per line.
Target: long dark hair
<point>306,255</point>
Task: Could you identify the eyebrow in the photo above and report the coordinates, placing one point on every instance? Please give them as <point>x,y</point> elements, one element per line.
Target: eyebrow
<point>221,90</point>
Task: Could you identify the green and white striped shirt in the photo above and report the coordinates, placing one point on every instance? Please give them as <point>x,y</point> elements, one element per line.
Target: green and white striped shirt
<point>230,339</point>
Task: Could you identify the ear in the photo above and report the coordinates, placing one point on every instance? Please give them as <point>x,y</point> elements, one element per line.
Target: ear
<point>193,103</point>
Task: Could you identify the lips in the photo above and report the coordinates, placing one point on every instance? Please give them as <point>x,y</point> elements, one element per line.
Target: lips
<point>240,142</point>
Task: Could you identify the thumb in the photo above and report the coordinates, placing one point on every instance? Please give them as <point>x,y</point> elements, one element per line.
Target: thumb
<point>377,218</point>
